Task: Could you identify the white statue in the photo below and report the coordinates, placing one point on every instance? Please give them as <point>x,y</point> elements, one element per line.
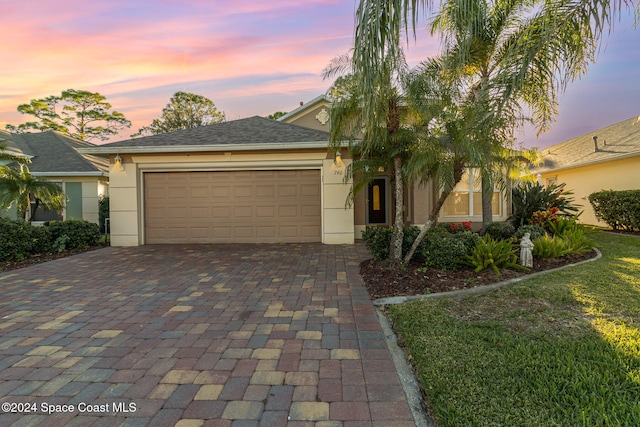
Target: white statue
<point>526,250</point>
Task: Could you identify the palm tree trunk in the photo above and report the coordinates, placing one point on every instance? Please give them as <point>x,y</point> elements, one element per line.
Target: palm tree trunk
<point>487,200</point>
<point>398,226</point>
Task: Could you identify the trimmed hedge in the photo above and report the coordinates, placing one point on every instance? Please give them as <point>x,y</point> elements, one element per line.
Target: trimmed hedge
<point>20,240</point>
<point>619,209</point>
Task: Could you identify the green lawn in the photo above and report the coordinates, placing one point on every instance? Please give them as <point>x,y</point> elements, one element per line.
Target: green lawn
<point>562,349</point>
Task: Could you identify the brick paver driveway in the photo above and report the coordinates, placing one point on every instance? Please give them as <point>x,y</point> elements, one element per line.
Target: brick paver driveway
<point>215,335</point>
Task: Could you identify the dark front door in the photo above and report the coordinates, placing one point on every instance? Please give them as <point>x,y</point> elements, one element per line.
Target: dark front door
<point>377,201</point>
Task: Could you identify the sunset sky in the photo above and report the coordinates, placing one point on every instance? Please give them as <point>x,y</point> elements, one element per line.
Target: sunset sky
<point>249,57</point>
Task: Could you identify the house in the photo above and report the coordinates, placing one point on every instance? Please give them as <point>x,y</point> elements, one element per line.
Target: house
<point>375,205</point>
<point>605,159</point>
<point>254,180</point>
<point>56,157</point>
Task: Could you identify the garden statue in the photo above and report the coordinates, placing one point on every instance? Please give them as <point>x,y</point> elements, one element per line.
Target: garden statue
<point>526,251</point>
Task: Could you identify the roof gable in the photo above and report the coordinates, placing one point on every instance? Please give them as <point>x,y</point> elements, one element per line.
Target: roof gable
<point>618,140</point>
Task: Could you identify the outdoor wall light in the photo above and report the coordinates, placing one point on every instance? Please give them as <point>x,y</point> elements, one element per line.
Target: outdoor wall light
<point>118,162</point>
<point>337,162</point>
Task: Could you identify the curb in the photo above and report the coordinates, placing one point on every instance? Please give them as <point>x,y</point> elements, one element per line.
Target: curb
<point>407,377</point>
<point>479,289</point>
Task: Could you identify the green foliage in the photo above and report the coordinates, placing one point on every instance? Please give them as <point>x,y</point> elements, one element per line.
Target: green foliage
<point>499,230</point>
<point>276,115</point>
<point>494,254</point>
<point>80,114</point>
<point>19,186</point>
<point>447,251</point>
<point>568,237</point>
<point>534,231</point>
<point>79,233</point>
<point>184,111</point>
<point>549,247</point>
<point>529,197</point>
<point>18,240</point>
<point>619,209</point>
<point>103,212</point>
<point>378,241</point>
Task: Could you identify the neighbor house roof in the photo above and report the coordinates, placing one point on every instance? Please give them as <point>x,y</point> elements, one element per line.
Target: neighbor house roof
<point>253,133</point>
<point>613,142</point>
<point>55,154</point>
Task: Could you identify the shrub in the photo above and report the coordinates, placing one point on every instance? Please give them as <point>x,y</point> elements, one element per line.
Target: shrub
<point>494,254</point>
<point>103,212</point>
<point>20,240</point>
<point>446,251</point>
<point>577,242</point>
<point>534,231</point>
<point>528,197</point>
<point>378,241</point>
<point>549,247</point>
<point>619,209</point>
<point>80,234</point>
<point>562,225</point>
<point>499,230</point>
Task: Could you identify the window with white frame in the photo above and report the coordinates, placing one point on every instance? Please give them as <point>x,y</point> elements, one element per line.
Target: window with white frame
<point>466,198</point>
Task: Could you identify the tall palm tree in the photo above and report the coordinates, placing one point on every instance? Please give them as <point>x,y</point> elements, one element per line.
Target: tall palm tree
<point>506,54</point>
<point>382,137</point>
<point>19,186</point>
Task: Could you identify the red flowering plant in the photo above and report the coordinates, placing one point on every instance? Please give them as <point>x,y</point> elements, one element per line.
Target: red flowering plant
<point>543,218</point>
<point>458,227</point>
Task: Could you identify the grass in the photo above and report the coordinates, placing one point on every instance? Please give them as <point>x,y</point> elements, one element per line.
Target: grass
<point>562,349</point>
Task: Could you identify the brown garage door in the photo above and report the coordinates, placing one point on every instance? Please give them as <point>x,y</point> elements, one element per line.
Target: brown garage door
<point>232,207</point>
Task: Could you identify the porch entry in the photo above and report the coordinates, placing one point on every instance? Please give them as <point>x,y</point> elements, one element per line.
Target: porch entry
<point>377,201</point>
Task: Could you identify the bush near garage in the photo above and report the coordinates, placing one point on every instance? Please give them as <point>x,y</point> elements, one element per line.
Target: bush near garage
<point>20,240</point>
<point>76,234</point>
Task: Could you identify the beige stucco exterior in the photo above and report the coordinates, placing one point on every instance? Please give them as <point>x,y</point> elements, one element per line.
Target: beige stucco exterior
<point>621,174</point>
<point>127,197</point>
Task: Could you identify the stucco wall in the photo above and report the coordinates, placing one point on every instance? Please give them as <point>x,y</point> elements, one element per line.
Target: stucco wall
<point>126,192</point>
<point>623,174</point>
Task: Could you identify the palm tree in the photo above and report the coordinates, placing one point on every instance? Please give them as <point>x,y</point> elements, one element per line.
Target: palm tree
<point>507,55</point>
<point>382,137</point>
<point>19,186</point>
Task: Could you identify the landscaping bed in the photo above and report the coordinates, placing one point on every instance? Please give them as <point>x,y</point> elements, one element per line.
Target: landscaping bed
<point>44,257</point>
<point>383,281</point>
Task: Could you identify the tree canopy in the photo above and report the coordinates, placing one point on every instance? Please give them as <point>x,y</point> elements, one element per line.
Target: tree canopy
<point>79,114</point>
<point>276,115</point>
<point>184,111</point>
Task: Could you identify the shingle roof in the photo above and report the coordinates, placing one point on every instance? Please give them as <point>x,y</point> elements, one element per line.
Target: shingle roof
<point>621,139</point>
<point>56,153</point>
<point>252,130</point>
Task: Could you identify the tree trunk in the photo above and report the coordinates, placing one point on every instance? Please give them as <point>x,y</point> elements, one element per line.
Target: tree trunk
<point>487,200</point>
<point>398,226</point>
<point>458,171</point>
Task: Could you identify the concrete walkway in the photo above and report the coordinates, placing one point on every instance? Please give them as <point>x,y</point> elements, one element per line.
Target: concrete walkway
<point>196,335</point>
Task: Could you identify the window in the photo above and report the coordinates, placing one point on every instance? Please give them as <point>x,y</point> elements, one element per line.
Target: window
<point>466,198</point>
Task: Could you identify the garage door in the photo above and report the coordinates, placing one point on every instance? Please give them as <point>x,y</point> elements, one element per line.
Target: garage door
<point>232,207</point>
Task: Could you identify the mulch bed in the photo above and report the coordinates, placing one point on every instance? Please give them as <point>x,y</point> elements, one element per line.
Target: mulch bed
<point>384,281</point>
<point>40,258</point>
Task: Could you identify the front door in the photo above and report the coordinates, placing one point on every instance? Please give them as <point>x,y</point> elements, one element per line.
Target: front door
<point>377,201</point>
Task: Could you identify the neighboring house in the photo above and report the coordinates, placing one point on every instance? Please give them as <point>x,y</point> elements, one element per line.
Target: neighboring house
<point>252,180</point>
<point>54,156</point>
<point>605,159</point>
